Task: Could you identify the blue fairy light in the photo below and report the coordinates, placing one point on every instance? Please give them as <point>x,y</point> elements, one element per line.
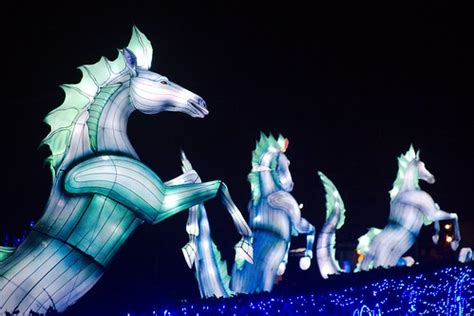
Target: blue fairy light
<point>443,291</point>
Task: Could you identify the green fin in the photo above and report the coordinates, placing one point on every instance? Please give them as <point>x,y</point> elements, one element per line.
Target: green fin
<point>222,266</point>
<point>333,199</point>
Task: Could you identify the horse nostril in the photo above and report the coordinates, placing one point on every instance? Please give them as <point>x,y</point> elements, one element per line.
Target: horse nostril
<point>202,103</point>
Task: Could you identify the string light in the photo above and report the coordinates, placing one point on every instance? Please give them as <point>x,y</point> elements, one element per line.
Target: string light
<point>442,291</point>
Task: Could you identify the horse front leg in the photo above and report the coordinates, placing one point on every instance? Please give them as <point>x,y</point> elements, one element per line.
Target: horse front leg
<point>189,176</point>
<point>304,227</point>
<point>457,234</point>
<point>282,267</point>
<point>192,225</point>
<point>181,197</point>
<point>440,215</point>
<point>286,202</point>
<point>437,229</point>
<point>134,185</point>
<point>424,202</point>
<point>243,248</point>
<point>192,228</point>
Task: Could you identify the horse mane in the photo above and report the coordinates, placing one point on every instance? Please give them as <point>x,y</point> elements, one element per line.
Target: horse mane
<point>263,146</point>
<point>403,162</point>
<point>81,96</point>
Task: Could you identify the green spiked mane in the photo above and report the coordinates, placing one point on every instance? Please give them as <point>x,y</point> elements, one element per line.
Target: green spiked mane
<point>403,162</point>
<point>333,200</point>
<point>81,97</point>
<point>265,145</point>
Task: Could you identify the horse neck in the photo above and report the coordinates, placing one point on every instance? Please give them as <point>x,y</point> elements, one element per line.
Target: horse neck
<point>410,179</point>
<point>112,129</point>
<point>267,183</point>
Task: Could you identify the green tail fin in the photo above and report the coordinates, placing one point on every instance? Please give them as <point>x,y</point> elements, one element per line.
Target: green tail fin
<point>222,266</point>
<point>333,199</point>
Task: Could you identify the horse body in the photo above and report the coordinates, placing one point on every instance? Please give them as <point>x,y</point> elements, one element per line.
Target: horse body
<point>72,243</point>
<point>410,209</point>
<point>274,217</point>
<point>272,230</point>
<point>101,192</point>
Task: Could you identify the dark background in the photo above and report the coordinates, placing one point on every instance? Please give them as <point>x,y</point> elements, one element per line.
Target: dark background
<point>350,85</point>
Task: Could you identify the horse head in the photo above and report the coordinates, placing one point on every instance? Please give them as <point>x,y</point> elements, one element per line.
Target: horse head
<point>152,93</point>
<point>410,170</point>
<point>423,173</point>
<point>270,167</point>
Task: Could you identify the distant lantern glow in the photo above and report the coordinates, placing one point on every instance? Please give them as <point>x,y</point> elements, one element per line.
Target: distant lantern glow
<point>447,226</point>
<point>449,238</point>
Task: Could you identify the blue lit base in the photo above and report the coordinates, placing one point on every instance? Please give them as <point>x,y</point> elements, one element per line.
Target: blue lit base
<point>435,291</point>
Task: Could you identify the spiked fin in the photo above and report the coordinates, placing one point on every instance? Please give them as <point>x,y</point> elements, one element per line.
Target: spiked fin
<point>222,267</point>
<point>403,162</point>
<point>333,200</point>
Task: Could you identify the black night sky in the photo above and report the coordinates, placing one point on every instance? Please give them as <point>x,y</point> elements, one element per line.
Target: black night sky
<point>350,85</point>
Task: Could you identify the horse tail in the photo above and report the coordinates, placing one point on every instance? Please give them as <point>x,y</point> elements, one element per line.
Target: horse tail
<point>210,268</point>
<point>335,216</point>
<point>363,246</point>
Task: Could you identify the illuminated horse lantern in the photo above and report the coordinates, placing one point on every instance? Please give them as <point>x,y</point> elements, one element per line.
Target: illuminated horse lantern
<point>410,209</point>
<point>101,191</point>
<point>274,216</point>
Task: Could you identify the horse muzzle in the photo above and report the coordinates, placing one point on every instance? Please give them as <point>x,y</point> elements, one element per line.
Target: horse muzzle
<point>431,180</point>
<point>199,107</point>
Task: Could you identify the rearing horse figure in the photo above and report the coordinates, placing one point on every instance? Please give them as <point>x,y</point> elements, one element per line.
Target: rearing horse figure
<point>101,192</point>
<point>410,208</point>
<point>274,217</point>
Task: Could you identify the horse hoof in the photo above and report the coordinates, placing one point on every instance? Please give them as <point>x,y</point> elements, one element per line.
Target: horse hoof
<point>435,239</point>
<point>454,245</point>
<point>281,269</point>
<point>305,263</point>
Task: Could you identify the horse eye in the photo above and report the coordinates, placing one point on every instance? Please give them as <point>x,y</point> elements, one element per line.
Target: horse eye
<point>164,82</point>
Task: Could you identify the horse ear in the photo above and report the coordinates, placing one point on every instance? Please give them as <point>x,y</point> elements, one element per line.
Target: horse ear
<point>417,157</point>
<point>130,61</point>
